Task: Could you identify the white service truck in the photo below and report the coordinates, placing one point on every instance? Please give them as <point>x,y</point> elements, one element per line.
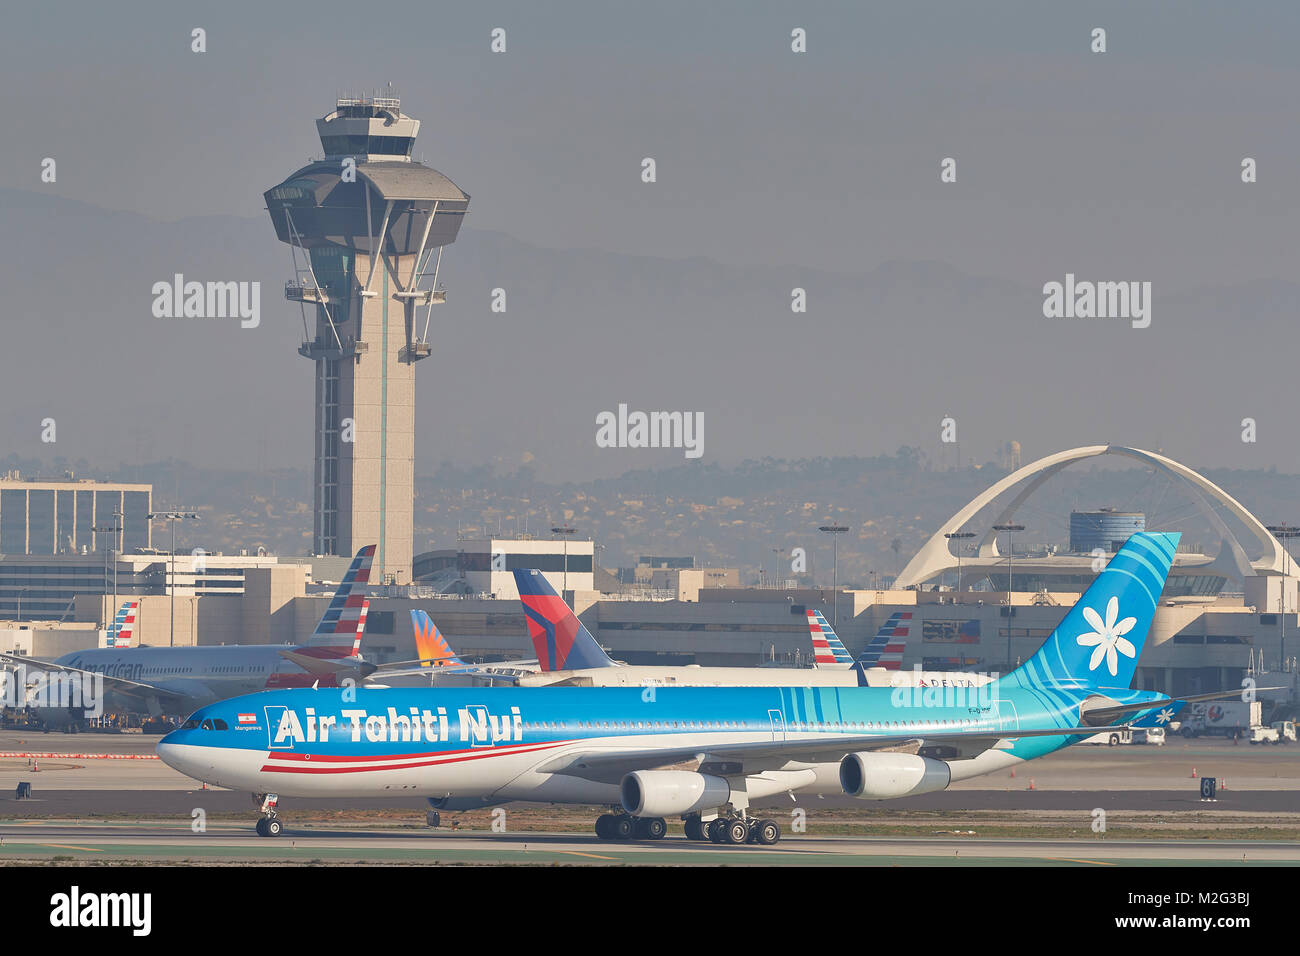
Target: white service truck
<point>1228,718</point>
<point>1278,732</point>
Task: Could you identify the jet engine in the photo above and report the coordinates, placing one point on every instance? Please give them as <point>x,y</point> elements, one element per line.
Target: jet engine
<point>661,793</point>
<point>881,776</point>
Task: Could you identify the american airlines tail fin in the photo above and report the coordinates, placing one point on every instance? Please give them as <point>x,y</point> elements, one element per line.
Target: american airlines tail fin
<point>1098,643</point>
<point>361,627</point>
<point>339,632</point>
<point>122,633</point>
<point>430,645</point>
<point>829,650</point>
<point>886,648</point>
<point>559,638</point>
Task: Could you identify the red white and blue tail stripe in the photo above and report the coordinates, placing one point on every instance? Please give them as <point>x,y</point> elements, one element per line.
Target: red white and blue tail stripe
<point>339,632</point>
<point>828,649</point>
<point>122,633</point>
<point>887,647</point>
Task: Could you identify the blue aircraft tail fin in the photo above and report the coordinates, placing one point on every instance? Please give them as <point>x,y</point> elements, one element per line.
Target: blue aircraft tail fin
<point>1098,643</point>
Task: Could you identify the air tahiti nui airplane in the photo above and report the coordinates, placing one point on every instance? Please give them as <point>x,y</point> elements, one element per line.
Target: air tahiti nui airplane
<point>464,748</point>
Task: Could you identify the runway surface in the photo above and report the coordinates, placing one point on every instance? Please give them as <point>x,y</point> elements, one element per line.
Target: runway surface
<point>71,804</point>
<point>1083,768</point>
<point>172,842</point>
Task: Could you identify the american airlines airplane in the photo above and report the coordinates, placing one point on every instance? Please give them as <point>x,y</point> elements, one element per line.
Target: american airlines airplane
<point>464,748</point>
<point>176,680</point>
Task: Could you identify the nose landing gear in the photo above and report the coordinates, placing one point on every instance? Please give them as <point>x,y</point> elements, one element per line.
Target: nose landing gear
<point>268,825</point>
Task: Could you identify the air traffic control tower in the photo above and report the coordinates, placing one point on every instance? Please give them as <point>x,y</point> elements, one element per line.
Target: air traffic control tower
<point>366,227</point>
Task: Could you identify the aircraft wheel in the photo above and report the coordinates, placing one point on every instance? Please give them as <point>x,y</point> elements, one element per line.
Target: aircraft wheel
<point>714,830</point>
<point>694,828</point>
<point>273,827</point>
<point>655,828</point>
<point>261,826</point>
<point>768,832</point>
<point>736,832</point>
<point>603,826</point>
<point>622,827</point>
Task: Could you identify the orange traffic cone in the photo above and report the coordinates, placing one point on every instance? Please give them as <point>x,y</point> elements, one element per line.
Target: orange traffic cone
<point>36,766</point>
<point>1223,784</point>
<point>1193,773</point>
<point>1013,773</point>
<point>1031,784</point>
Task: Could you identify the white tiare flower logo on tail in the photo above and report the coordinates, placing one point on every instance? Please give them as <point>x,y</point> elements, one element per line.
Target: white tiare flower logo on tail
<point>1108,637</point>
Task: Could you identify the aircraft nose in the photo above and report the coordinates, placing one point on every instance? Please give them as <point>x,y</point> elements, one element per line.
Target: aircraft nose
<point>182,757</point>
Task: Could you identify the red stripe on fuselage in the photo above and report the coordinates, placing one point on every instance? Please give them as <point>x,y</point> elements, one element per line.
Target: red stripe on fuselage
<point>463,756</point>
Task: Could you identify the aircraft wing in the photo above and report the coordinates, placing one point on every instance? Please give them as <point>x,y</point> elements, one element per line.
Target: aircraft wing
<point>482,671</point>
<point>611,764</point>
<point>119,685</point>
<point>323,665</point>
<point>1119,710</point>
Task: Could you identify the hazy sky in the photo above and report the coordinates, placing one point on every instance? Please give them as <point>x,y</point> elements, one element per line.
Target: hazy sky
<point>1118,166</point>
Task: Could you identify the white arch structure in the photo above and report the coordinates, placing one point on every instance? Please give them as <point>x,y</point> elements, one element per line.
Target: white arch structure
<point>935,556</point>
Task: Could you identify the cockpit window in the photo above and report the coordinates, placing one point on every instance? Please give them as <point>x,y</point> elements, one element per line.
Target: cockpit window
<point>219,724</point>
<point>206,725</point>
<point>189,724</point>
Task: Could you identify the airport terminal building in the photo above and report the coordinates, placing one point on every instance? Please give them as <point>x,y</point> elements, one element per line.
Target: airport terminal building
<point>1221,614</point>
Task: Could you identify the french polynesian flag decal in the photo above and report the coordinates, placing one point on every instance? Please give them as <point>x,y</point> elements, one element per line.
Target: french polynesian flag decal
<point>248,718</point>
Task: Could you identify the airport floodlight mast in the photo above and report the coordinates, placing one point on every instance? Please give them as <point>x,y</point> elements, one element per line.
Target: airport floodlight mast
<point>1011,530</point>
<point>171,517</point>
<point>365,227</point>
<point>834,530</point>
<point>565,533</point>
<point>114,529</point>
<point>1284,532</point>
<point>960,537</point>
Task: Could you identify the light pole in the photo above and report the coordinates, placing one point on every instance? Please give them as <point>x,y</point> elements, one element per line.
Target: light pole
<point>111,551</point>
<point>565,533</point>
<point>776,563</point>
<point>1011,530</point>
<point>959,537</point>
<point>835,530</point>
<point>1284,531</point>
<point>172,517</point>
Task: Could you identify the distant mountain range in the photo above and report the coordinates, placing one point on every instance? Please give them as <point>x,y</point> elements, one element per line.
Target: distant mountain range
<point>876,362</point>
<point>724,517</point>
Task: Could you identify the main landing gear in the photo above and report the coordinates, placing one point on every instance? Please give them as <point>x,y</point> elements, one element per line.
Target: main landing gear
<point>624,826</point>
<point>268,825</point>
<point>734,830</point>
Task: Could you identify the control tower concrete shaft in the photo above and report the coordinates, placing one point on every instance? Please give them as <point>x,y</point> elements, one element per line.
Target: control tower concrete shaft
<point>365,225</point>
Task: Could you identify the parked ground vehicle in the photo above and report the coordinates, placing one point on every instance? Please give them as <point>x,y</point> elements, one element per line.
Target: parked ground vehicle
<point>1278,732</point>
<point>1222,719</point>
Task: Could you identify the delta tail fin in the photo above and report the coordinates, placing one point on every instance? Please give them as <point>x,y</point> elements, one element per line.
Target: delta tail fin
<point>1099,642</point>
<point>559,638</point>
<point>828,650</point>
<point>430,645</point>
<point>338,634</point>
